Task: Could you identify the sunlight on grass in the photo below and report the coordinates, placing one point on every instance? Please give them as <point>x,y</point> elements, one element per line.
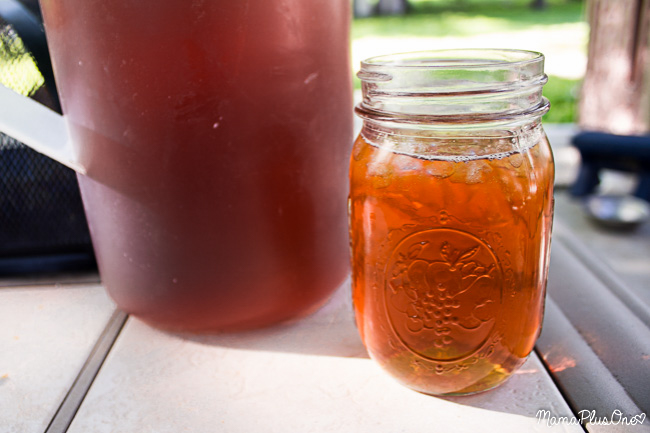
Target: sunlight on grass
<point>18,71</point>
<point>464,18</point>
<point>564,45</point>
<point>559,32</point>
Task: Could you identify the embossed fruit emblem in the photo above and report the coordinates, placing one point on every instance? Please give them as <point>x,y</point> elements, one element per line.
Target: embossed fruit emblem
<point>443,293</point>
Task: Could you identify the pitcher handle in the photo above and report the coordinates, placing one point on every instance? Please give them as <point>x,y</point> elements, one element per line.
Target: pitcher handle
<point>38,127</point>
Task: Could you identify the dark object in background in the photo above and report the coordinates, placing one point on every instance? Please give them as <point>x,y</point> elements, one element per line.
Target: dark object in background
<point>629,153</point>
<point>538,4</point>
<point>367,8</point>
<point>42,222</point>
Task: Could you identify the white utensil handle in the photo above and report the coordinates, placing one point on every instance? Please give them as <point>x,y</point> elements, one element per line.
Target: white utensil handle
<point>36,126</point>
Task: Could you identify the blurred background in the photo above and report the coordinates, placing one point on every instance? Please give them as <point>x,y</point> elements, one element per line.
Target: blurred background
<point>557,28</point>
<point>596,50</point>
<point>597,59</point>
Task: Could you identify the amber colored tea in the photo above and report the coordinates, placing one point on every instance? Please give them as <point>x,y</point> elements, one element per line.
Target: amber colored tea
<point>449,257</point>
<point>216,139</point>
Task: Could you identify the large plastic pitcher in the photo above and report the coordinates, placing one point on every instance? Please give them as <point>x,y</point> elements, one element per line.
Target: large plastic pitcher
<point>213,139</point>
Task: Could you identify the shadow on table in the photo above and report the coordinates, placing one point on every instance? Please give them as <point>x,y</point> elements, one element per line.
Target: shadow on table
<point>330,331</point>
<point>520,394</point>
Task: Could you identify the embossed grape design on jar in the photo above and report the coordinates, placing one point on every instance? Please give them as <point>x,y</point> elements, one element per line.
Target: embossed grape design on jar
<point>451,205</point>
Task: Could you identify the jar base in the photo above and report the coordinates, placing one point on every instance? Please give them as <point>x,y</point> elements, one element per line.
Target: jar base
<point>493,380</point>
<point>478,388</point>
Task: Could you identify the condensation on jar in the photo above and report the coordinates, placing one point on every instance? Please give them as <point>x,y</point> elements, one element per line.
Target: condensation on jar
<point>451,203</point>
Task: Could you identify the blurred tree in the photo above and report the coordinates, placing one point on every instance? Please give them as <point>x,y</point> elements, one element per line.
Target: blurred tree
<point>615,95</point>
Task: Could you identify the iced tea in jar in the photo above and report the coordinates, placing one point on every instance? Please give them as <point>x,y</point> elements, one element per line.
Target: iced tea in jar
<point>451,205</point>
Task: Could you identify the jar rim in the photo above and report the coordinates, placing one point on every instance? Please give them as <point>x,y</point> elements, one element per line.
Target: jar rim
<point>472,85</point>
<point>466,58</point>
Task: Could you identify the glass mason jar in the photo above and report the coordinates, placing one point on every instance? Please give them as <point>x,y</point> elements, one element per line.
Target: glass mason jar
<point>451,205</point>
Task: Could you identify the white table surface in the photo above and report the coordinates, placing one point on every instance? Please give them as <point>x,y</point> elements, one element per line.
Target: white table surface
<point>312,375</point>
<point>46,335</point>
<point>309,375</point>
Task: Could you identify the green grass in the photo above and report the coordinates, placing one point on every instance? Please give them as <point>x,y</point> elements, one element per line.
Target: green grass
<point>563,94</point>
<point>473,19</point>
<point>468,17</point>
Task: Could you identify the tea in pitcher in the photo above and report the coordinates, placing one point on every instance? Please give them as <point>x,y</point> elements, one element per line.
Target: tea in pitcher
<point>215,136</point>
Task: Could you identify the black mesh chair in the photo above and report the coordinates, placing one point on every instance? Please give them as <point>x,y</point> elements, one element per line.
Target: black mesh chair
<point>42,223</point>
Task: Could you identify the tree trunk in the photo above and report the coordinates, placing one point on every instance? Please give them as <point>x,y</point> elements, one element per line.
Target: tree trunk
<point>615,95</point>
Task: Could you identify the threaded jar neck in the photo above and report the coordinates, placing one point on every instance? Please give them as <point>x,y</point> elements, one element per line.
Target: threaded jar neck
<point>445,87</point>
